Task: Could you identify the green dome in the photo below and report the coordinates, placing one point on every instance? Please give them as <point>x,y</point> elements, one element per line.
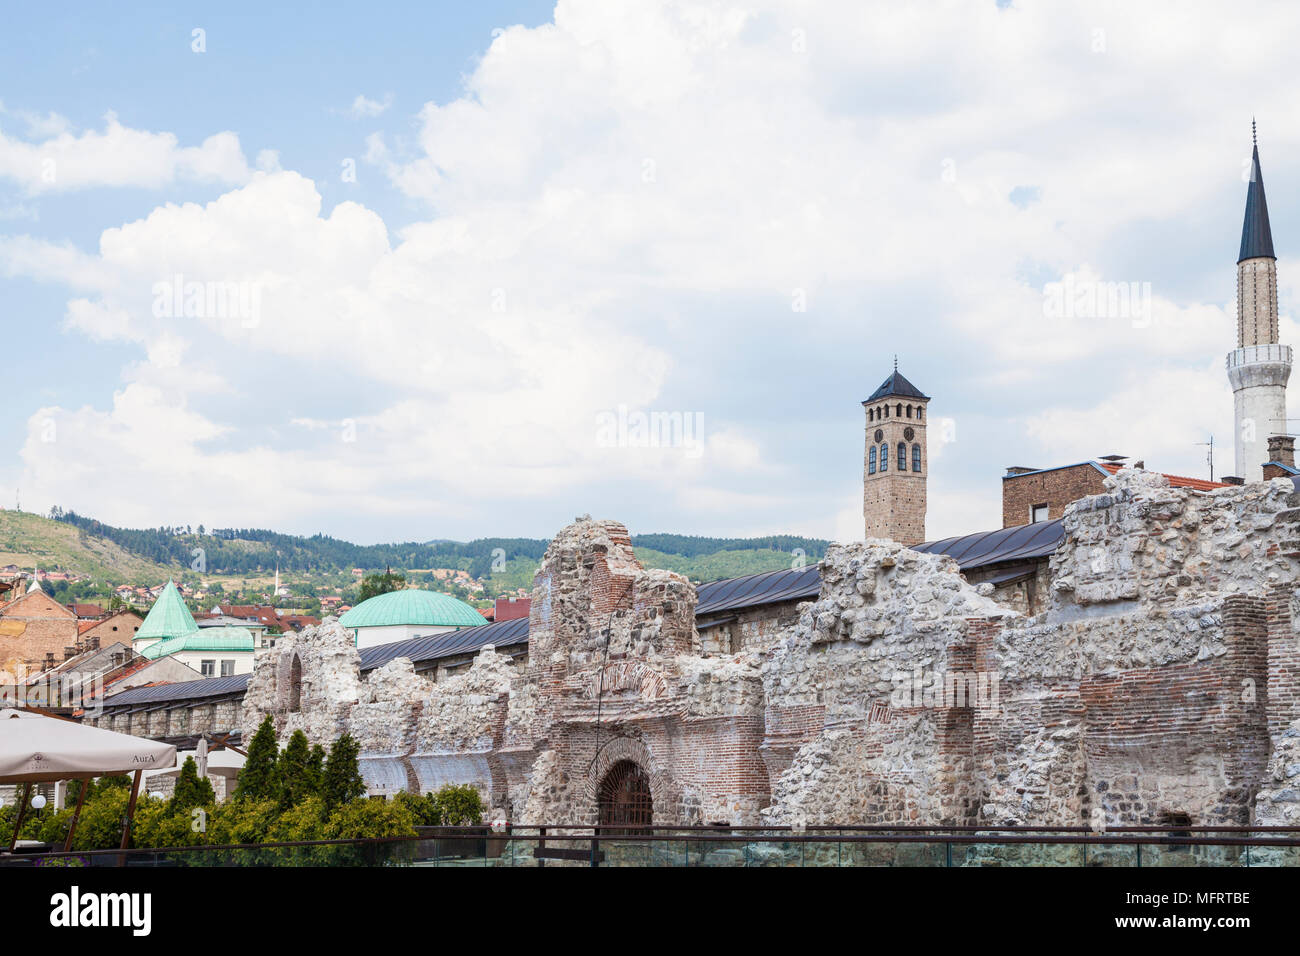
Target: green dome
<point>412,606</point>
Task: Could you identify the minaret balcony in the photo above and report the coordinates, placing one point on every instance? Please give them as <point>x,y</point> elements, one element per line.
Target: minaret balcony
<point>1259,354</point>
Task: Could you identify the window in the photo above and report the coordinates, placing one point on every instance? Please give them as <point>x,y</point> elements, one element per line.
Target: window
<point>916,457</point>
<point>871,414</point>
<point>902,456</point>
<point>871,460</point>
<point>115,627</point>
<point>919,409</point>
<point>207,668</point>
<point>295,685</point>
<point>884,458</point>
<point>227,668</point>
<point>1038,513</point>
<point>898,410</point>
<point>909,411</point>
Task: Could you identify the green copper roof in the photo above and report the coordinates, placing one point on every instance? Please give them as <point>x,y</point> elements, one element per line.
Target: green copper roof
<point>207,639</point>
<point>169,617</point>
<point>412,606</point>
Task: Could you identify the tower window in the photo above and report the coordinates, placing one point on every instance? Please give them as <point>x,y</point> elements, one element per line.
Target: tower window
<point>871,460</point>
<point>902,456</point>
<point>916,457</point>
<point>919,410</point>
<point>886,411</point>
<point>871,414</point>
<point>909,411</point>
<point>898,411</point>
<point>884,458</point>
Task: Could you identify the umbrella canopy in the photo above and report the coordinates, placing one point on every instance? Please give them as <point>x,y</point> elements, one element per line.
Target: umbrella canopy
<point>35,749</point>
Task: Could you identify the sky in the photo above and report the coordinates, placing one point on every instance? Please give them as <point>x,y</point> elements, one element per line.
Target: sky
<point>413,271</point>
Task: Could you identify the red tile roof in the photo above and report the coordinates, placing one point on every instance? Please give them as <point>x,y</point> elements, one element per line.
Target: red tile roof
<point>1175,481</point>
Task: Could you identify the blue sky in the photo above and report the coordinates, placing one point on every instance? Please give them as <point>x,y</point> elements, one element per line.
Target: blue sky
<point>735,212</point>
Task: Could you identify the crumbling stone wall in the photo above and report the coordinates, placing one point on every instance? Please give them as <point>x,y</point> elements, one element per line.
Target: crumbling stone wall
<point>1153,688</point>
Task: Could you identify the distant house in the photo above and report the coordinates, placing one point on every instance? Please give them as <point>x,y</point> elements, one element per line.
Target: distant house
<point>86,612</point>
<point>121,625</point>
<point>169,630</point>
<point>36,631</point>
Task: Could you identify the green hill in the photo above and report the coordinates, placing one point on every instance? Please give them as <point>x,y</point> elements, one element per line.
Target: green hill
<point>29,540</point>
<point>248,556</point>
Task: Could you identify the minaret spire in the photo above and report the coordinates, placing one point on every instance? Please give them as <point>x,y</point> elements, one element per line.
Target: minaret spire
<point>1260,365</point>
<point>1256,234</point>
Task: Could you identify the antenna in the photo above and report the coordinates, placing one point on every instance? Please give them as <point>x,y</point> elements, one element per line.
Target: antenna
<point>1209,455</point>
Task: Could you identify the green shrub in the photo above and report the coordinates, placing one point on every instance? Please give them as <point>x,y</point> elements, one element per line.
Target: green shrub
<point>459,805</point>
<point>369,820</point>
<point>191,790</point>
<point>100,826</point>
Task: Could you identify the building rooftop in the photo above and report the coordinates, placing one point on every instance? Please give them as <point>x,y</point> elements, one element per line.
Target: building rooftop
<point>412,606</point>
<point>897,385</point>
<point>169,617</point>
<point>228,639</point>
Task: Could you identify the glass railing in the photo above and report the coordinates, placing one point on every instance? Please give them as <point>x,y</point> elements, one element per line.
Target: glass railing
<point>730,847</point>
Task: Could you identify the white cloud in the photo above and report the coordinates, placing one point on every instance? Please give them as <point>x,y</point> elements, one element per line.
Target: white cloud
<point>58,160</point>
<point>634,183</point>
<point>364,108</point>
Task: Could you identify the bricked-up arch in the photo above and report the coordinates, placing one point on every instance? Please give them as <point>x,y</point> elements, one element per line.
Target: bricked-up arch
<point>663,794</point>
<point>624,800</point>
<point>294,690</point>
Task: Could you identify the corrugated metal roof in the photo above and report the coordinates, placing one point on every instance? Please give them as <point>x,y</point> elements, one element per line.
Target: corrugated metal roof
<point>188,690</point>
<point>753,590</point>
<point>435,646</point>
<point>1017,543</point>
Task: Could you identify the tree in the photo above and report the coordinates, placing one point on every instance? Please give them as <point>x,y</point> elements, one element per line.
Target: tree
<point>191,789</point>
<point>376,584</point>
<point>342,781</point>
<point>316,768</point>
<point>259,780</point>
<point>299,779</point>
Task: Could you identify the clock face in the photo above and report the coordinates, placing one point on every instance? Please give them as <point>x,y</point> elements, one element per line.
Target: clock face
<point>880,435</point>
<point>909,433</point>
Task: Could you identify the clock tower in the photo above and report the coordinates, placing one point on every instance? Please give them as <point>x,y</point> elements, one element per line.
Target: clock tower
<point>896,461</point>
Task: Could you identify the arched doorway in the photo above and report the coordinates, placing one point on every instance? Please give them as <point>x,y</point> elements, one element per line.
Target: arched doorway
<point>624,799</point>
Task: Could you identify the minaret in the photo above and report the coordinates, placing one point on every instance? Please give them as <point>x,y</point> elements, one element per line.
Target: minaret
<point>1259,366</point>
<point>896,461</point>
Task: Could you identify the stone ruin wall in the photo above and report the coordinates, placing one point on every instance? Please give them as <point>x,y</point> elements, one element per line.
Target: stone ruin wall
<point>1162,678</point>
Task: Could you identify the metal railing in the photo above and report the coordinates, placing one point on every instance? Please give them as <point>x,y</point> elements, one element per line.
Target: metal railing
<point>558,845</point>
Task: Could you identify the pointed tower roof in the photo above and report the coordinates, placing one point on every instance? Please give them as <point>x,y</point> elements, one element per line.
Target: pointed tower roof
<point>1256,236</point>
<point>169,617</point>
<point>896,384</point>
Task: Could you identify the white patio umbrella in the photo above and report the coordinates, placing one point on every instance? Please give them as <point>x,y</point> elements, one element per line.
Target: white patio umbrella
<point>35,748</point>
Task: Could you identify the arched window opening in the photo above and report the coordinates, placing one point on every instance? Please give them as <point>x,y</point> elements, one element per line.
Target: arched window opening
<point>902,456</point>
<point>871,414</point>
<point>909,411</point>
<point>884,458</point>
<point>898,410</point>
<point>624,801</point>
<point>295,684</point>
<point>919,410</point>
<point>871,460</point>
<point>916,457</point>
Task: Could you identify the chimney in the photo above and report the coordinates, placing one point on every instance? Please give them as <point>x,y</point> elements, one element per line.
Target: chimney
<point>1013,470</point>
<point>1139,464</point>
<point>49,659</point>
<point>69,652</point>
<point>1281,449</point>
<point>1232,480</point>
